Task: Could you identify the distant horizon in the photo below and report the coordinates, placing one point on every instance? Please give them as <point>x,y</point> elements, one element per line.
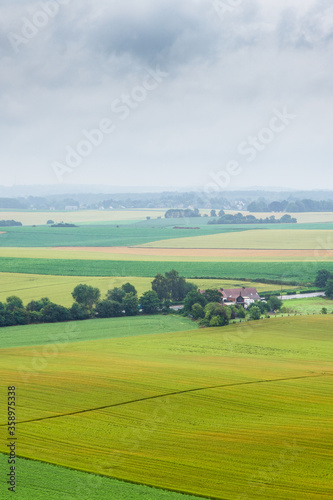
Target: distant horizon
<point>86,188</point>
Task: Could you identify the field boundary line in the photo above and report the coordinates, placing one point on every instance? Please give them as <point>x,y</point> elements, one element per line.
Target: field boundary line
<point>158,396</point>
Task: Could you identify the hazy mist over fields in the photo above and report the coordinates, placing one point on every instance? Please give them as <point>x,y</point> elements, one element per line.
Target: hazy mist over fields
<point>217,95</point>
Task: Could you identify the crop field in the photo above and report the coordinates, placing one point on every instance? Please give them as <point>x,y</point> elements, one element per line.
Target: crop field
<point>300,272</point>
<point>168,254</point>
<point>78,331</point>
<point>105,216</point>
<point>98,235</point>
<point>39,481</point>
<point>240,412</point>
<point>261,239</point>
<point>79,216</point>
<point>59,288</point>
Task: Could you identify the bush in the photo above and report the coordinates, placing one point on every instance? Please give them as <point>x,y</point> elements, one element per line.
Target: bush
<point>109,309</point>
<point>52,313</point>
<point>216,309</point>
<point>197,311</point>
<point>215,321</point>
<point>275,304</point>
<point>255,313</point>
<point>131,304</point>
<point>79,312</point>
<point>35,317</point>
<point>150,302</point>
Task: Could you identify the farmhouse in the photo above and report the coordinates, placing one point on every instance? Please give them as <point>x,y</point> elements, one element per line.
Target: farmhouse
<point>243,296</point>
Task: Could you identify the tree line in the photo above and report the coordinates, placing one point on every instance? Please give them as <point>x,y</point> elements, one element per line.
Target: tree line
<point>9,223</point>
<point>88,304</point>
<point>294,206</point>
<point>251,219</point>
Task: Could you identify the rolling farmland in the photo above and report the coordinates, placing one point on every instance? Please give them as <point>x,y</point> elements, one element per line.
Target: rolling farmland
<point>225,412</point>
<point>256,239</point>
<point>147,254</point>
<point>39,479</point>
<point>300,272</point>
<point>59,288</point>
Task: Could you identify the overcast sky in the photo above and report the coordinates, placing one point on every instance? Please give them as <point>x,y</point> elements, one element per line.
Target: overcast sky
<point>225,94</point>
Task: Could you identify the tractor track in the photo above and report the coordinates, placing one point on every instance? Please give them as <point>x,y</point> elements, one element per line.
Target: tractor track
<point>167,394</point>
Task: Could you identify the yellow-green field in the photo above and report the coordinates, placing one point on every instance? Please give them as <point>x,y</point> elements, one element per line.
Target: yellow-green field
<point>76,216</point>
<point>256,424</point>
<point>37,217</point>
<point>58,288</point>
<point>256,239</point>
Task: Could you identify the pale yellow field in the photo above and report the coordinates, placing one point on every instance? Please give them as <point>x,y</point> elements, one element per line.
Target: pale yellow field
<point>169,254</point>
<point>58,288</point>
<point>256,239</point>
<point>38,218</point>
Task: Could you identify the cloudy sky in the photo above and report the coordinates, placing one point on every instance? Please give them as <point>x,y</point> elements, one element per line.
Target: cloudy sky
<point>211,94</point>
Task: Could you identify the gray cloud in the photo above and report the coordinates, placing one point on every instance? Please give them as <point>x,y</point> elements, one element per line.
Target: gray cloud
<point>226,74</point>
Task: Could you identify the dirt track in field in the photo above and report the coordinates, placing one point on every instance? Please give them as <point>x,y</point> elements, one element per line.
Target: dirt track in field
<point>202,252</point>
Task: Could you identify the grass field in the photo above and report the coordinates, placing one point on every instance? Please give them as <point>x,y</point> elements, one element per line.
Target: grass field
<point>256,239</point>
<point>300,272</point>
<point>312,305</point>
<point>41,481</point>
<point>78,331</point>
<point>254,426</point>
<point>59,288</point>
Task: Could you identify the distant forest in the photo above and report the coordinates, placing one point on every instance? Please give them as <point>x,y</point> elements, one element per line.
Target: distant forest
<point>253,201</point>
<point>294,206</point>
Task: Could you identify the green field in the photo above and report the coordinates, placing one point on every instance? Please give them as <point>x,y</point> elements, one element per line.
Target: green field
<point>229,413</point>
<point>302,272</point>
<point>78,331</point>
<point>278,239</point>
<point>41,481</point>
<point>143,233</point>
<point>59,288</point>
<point>98,235</point>
<point>312,305</point>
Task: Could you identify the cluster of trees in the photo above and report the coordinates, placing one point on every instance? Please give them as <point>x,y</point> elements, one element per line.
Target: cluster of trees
<point>9,223</point>
<point>119,301</point>
<point>13,312</point>
<point>179,213</point>
<point>63,224</point>
<point>304,205</point>
<point>171,287</point>
<point>208,309</point>
<point>251,219</point>
<point>324,280</point>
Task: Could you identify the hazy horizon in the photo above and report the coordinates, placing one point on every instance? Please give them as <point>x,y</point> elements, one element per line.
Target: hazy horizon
<point>214,94</point>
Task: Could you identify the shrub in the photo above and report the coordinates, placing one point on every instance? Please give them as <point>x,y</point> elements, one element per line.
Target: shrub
<point>109,309</point>
<point>52,313</point>
<point>255,313</point>
<point>79,312</point>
